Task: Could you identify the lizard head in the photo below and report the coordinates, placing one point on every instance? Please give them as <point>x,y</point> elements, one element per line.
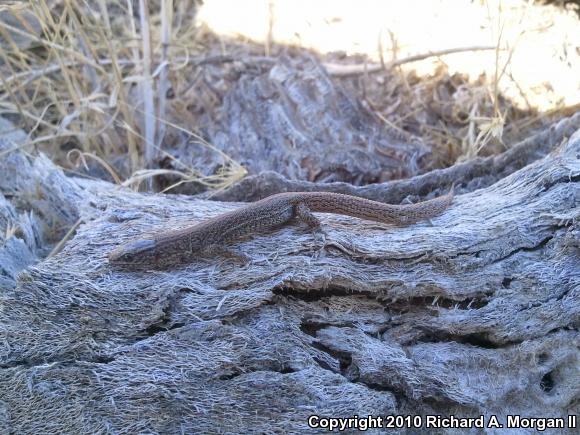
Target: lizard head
<point>135,252</point>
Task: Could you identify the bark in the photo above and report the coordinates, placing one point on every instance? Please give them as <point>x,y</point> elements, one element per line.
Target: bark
<point>474,313</point>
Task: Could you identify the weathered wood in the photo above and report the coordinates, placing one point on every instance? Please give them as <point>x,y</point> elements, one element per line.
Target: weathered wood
<point>476,313</point>
<point>294,120</point>
<point>467,176</point>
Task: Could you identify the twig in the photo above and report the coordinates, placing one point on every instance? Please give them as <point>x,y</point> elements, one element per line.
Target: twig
<point>107,36</point>
<point>147,86</point>
<point>269,35</point>
<point>44,42</point>
<point>82,158</point>
<point>196,61</point>
<point>166,19</point>
<point>66,237</point>
<point>339,70</point>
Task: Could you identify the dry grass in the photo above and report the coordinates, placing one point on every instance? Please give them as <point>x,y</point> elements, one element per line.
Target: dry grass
<point>95,77</point>
<point>83,76</point>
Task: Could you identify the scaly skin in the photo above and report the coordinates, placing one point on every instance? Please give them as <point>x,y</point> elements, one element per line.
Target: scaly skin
<point>211,236</point>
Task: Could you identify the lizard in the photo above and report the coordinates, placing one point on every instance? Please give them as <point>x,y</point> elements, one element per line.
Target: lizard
<point>211,236</point>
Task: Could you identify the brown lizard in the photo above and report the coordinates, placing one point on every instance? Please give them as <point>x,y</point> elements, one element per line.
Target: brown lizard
<point>176,246</point>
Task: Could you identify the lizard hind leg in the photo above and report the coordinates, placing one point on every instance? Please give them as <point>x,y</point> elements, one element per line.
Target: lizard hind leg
<point>304,214</point>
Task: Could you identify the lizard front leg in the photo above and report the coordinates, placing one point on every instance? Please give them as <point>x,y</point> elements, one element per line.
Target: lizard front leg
<point>225,252</point>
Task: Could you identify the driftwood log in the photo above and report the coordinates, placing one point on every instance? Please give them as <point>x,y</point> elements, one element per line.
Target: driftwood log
<point>475,313</point>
